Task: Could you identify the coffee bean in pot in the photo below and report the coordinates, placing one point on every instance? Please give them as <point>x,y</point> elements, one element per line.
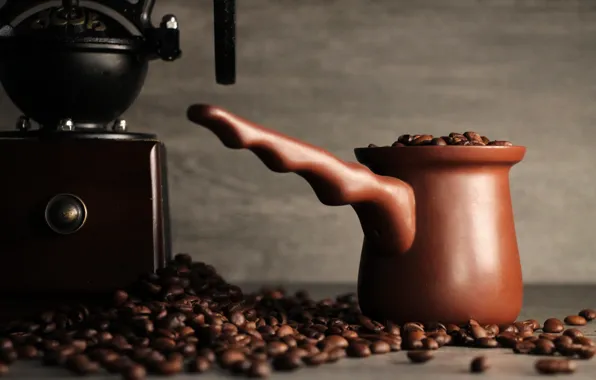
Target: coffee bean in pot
<point>461,139</point>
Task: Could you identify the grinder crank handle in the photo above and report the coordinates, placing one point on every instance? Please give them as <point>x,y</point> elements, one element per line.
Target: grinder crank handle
<point>224,34</point>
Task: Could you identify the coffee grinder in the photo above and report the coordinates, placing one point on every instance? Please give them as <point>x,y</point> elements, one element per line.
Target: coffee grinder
<point>83,200</point>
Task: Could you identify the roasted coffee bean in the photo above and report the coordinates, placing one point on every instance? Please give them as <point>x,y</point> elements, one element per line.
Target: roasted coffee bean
<point>333,341</point>
<point>438,141</point>
<point>3,369</point>
<point>479,364</point>
<point>524,347</point>
<point>422,140</point>
<point>508,340</point>
<point>207,354</point>
<point>533,323</point>
<point>568,350</point>
<point>358,350</point>
<point>169,367</point>
<point>575,320</point>
<point>413,340</point>
<point>81,365</point>
<point>316,359</point>
<point>27,352</point>
<point>487,342</point>
<point>6,344</point>
<point>276,348</point>
<point>500,143</point>
<point>584,341</point>
<point>588,314</point>
<point>554,366</point>
<point>335,355</point>
<point>543,347</point>
<point>382,347</point>
<point>395,342</point>
<point>553,325</point>
<point>460,338</point>
<point>134,372</point>
<point>229,357</point>
<point>563,340</point>
<point>509,329</point>
<point>477,332</point>
<point>259,369</point>
<point>404,139</point>
<point>420,356</point>
<point>286,362</point>
<point>430,344</point>
<point>492,330</point>
<point>120,297</point>
<point>199,365</point>
<point>241,367</point>
<point>548,336</point>
<point>119,365</point>
<point>467,138</point>
<point>413,326</point>
<point>474,137</point>
<point>573,333</point>
<point>284,330</point>
<point>586,352</point>
<point>525,330</point>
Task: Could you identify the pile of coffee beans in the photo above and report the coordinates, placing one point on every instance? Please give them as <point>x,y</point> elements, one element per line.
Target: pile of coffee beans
<point>454,138</point>
<point>187,318</point>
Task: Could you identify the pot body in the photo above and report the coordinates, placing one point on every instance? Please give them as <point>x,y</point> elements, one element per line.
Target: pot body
<point>464,263</point>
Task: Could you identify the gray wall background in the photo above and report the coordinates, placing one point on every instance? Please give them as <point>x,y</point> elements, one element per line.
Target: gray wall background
<point>344,73</point>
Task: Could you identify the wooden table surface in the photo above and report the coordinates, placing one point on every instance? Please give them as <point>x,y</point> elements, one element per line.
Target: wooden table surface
<point>541,302</point>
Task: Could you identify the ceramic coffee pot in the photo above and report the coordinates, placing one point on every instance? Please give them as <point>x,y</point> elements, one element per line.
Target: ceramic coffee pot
<point>439,234</point>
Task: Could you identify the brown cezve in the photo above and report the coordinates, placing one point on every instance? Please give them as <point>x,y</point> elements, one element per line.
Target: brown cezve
<point>440,242</point>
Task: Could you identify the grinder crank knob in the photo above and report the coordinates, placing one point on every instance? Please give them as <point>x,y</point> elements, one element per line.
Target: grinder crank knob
<point>224,28</point>
<point>65,214</point>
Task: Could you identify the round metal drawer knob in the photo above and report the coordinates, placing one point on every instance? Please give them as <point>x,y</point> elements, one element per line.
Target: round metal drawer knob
<point>66,214</point>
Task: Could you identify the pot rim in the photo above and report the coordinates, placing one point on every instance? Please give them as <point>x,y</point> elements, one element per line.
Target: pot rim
<point>477,155</point>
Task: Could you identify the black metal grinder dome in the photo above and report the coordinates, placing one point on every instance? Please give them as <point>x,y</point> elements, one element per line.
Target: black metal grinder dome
<point>77,60</point>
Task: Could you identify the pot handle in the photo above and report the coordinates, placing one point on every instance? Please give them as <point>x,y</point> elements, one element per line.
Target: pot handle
<point>385,205</point>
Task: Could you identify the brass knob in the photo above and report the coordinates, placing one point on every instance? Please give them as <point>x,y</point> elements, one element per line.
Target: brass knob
<point>66,214</point>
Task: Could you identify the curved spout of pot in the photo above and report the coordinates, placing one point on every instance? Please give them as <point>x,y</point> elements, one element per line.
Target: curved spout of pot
<point>385,205</point>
